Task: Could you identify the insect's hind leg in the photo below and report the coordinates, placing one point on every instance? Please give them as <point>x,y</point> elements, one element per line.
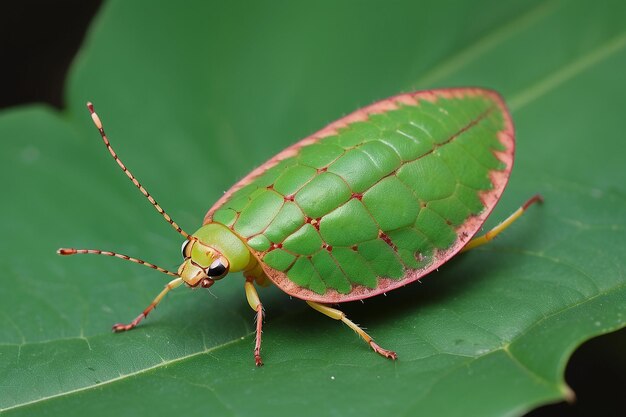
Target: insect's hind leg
<point>120,327</point>
<point>487,237</point>
<point>333,313</point>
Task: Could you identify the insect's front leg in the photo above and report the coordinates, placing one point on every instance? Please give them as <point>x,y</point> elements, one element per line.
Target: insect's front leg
<point>255,304</point>
<point>120,327</point>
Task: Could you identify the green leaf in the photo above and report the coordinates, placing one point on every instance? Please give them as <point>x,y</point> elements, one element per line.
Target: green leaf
<point>193,97</point>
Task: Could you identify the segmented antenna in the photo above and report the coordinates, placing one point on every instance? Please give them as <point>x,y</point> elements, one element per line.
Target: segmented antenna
<point>71,251</point>
<point>98,123</point>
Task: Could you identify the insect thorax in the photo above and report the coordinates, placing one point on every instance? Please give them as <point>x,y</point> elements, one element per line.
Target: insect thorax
<point>220,238</point>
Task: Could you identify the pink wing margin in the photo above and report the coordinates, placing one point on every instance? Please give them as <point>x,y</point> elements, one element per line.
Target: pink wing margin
<point>464,232</point>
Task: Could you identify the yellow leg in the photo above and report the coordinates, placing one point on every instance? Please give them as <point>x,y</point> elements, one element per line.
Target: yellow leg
<point>340,315</point>
<point>120,327</point>
<point>255,304</point>
<point>487,237</point>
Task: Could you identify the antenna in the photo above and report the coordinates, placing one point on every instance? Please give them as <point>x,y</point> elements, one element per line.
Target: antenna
<point>98,123</point>
<point>72,251</point>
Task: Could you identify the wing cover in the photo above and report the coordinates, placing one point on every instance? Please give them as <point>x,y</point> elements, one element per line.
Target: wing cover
<point>378,198</point>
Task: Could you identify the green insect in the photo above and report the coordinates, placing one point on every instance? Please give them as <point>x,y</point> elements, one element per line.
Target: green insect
<point>370,203</point>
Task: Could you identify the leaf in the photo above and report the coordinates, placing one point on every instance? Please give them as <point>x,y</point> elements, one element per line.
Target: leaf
<point>194,98</point>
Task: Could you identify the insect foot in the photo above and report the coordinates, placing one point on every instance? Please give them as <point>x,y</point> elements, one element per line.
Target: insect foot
<point>389,354</point>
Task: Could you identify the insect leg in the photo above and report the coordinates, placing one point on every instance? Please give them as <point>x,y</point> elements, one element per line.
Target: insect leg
<point>487,237</point>
<point>255,304</point>
<point>119,327</point>
<point>340,315</point>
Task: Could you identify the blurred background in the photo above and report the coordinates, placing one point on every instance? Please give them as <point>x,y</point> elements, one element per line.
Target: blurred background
<point>37,49</point>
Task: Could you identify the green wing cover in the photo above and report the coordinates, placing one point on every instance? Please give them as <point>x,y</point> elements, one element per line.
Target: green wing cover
<point>378,198</point>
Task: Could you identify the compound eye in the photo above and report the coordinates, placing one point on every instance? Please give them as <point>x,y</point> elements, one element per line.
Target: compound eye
<point>218,269</point>
<point>186,249</point>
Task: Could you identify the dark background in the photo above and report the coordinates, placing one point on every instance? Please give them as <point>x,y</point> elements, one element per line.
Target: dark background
<point>39,40</point>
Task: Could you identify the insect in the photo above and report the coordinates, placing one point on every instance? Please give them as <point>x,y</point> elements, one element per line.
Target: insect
<point>370,203</point>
